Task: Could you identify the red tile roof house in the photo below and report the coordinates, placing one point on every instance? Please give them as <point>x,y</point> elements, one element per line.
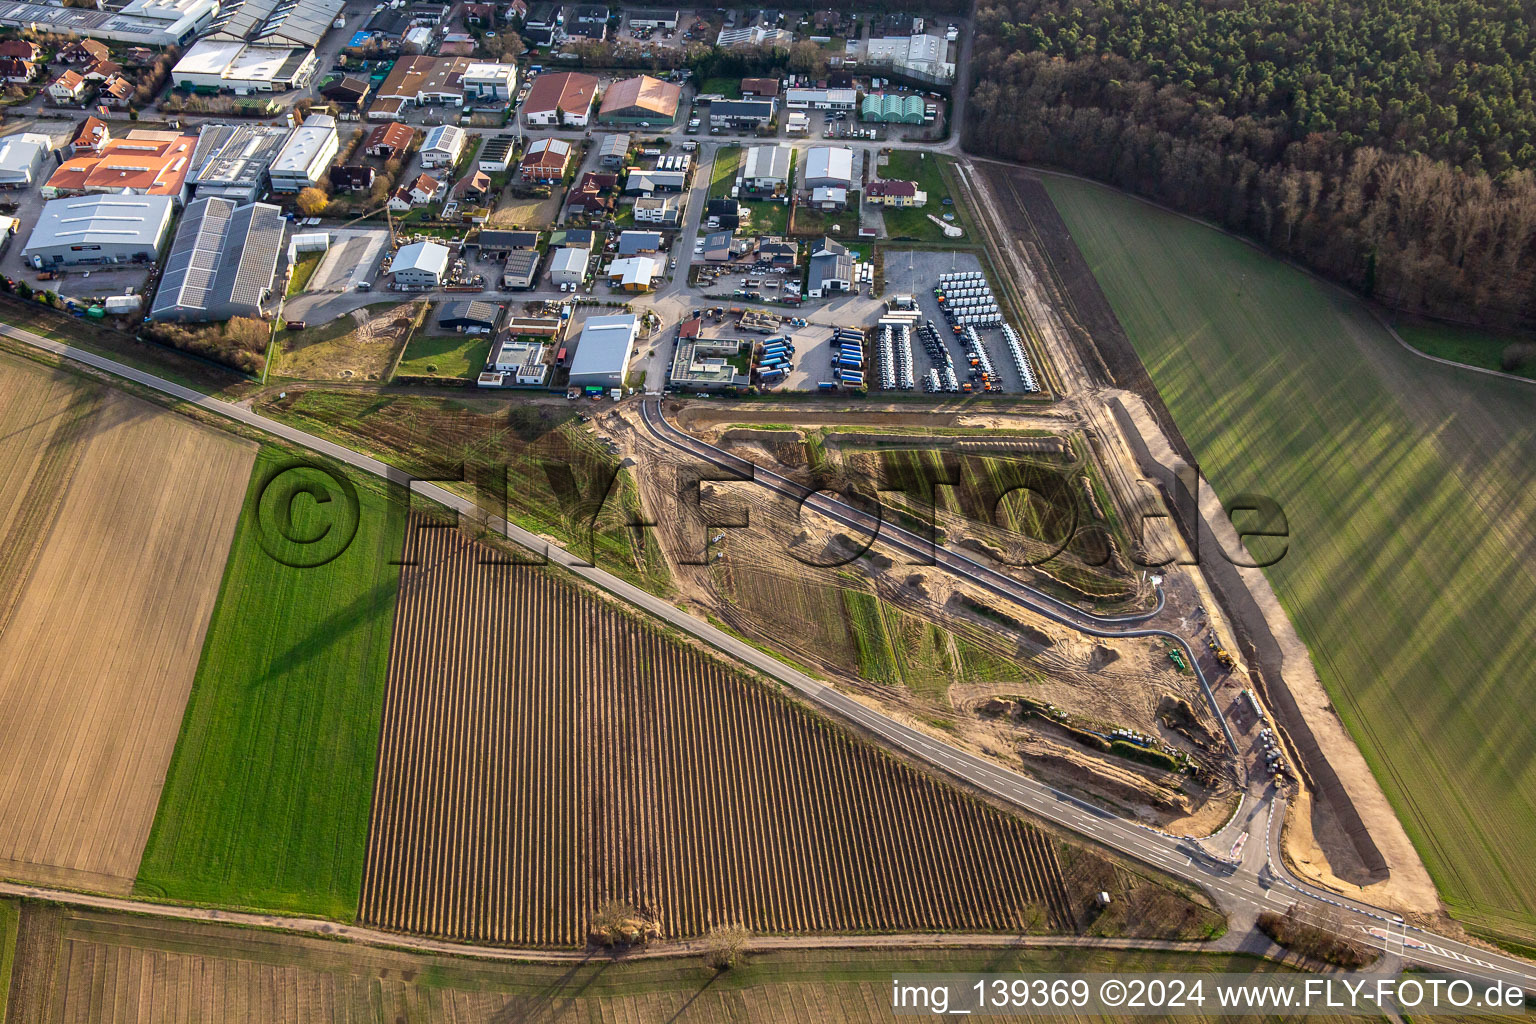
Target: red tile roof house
<point>14,69</point>
<point>21,49</point>
<point>91,137</point>
<point>69,87</point>
<point>85,51</point>
<point>116,92</point>
<point>473,188</point>
<point>593,195</point>
<point>389,140</point>
<point>545,161</point>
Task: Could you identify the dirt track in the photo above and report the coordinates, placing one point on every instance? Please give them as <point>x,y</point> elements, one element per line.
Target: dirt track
<point>99,652</point>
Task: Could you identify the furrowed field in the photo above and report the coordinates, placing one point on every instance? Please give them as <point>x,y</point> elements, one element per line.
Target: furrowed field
<point>266,803</point>
<point>544,752</point>
<point>115,519</point>
<point>1411,494</point>
<point>84,967</point>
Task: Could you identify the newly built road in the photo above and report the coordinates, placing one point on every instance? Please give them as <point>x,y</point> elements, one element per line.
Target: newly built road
<point>1259,882</point>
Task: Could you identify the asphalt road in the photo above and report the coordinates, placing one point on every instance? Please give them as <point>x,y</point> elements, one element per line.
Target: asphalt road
<point>1260,882</point>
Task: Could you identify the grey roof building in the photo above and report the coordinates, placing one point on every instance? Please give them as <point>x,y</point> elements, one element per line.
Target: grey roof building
<point>99,229</point>
<point>831,268</point>
<point>232,160</point>
<point>603,351</point>
<point>222,261</point>
<point>766,166</point>
<point>612,151</point>
<point>633,242</point>
<point>500,243</point>
<point>741,113</point>
<point>470,315</point>
<point>638,181</point>
<point>569,266</point>
<point>274,22</point>
<point>521,268</point>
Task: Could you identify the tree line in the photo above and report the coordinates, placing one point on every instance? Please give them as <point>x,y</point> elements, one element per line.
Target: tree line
<point>1392,155</point>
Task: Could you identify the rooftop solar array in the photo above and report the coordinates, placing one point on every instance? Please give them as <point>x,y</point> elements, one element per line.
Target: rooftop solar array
<point>222,261</point>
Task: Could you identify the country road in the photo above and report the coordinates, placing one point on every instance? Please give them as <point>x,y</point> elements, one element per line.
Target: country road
<point>1260,882</point>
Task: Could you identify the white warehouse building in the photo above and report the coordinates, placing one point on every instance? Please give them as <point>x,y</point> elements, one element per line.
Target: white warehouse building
<point>603,351</point>
<point>568,266</point>
<point>21,158</point>
<point>420,265</point>
<point>245,69</point>
<point>158,23</point>
<point>829,167</point>
<point>98,230</point>
<point>306,156</point>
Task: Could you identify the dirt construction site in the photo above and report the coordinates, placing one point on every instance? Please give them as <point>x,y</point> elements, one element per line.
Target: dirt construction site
<point>945,654</point>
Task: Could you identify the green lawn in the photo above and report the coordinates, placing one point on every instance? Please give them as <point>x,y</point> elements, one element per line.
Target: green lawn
<point>765,217</point>
<point>10,920</point>
<point>267,799</point>
<point>1469,345</point>
<point>303,271</point>
<point>1410,489</point>
<point>453,355</point>
<point>723,174</point>
<point>913,223</point>
<point>730,88</point>
<point>819,222</point>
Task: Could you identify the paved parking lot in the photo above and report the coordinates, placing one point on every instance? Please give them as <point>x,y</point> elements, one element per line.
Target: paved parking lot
<point>917,273</point>
<point>352,259</point>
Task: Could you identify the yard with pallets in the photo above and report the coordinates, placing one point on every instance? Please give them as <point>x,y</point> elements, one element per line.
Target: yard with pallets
<point>115,520</point>
<point>624,765</point>
<point>266,802</point>
<point>1410,491</point>
<point>534,460</point>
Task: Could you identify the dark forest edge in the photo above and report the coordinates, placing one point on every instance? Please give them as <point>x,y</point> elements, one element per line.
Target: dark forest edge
<point>1388,148</point>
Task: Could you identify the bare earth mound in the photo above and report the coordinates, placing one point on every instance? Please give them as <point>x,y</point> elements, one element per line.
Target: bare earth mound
<point>544,752</point>
<point>106,627</point>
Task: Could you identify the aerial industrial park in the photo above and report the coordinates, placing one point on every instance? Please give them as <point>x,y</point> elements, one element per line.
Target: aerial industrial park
<point>519,511</point>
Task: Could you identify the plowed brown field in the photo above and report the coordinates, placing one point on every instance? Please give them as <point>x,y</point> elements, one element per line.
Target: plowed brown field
<point>125,518</point>
<point>543,751</point>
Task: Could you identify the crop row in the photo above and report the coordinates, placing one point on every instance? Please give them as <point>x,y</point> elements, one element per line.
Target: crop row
<point>544,752</point>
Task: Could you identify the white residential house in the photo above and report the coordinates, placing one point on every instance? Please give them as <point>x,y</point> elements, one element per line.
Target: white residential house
<point>663,211</point>
<point>69,87</point>
<point>443,146</point>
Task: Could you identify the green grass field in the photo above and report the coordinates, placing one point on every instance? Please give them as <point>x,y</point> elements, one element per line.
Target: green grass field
<point>303,270</point>
<point>764,217</point>
<point>730,88</point>
<point>1410,489</point>
<point>454,355</point>
<point>722,173</point>
<point>1468,345</point>
<point>10,921</point>
<point>267,799</point>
